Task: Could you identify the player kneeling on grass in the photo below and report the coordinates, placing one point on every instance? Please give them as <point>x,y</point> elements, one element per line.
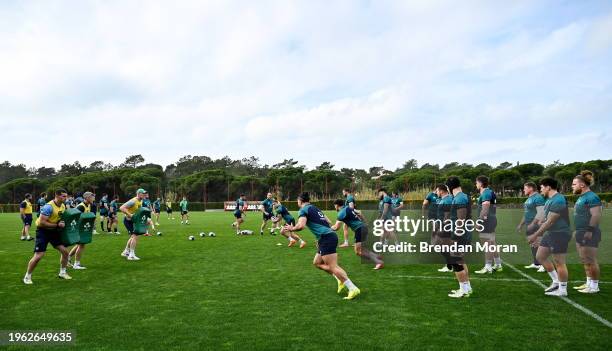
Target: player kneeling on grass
<point>587,215</point>
<point>25,211</point>
<point>77,250</point>
<point>282,212</point>
<point>460,211</point>
<point>327,241</point>
<point>354,220</point>
<point>487,213</point>
<point>555,233</point>
<point>129,209</point>
<point>48,227</point>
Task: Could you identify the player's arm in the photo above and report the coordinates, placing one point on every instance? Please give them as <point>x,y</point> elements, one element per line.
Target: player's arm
<point>336,225</point>
<point>424,207</point>
<point>301,223</point>
<point>385,210</point>
<point>520,225</point>
<point>461,216</point>
<point>401,206</point>
<point>22,210</point>
<point>552,218</point>
<point>352,204</point>
<point>45,213</point>
<point>484,212</point>
<point>539,218</point>
<point>595,219</point>
<point>124,208</point>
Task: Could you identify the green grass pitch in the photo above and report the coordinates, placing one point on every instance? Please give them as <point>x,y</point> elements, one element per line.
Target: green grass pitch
<point>229,292</point>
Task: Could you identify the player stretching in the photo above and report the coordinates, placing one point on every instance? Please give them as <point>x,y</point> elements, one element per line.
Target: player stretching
<point>460,211</point>
<point>113,211</point>
<point>326,257</point>
<point>349,201</point>
<point>238,213</point>
<point>587,215</point>
<point>25,211</point>
<point>266,209</point>
<point>487,213</point>
<point>555,233</point>
<point>282,212</point>
<point>354,219</point>
<point>77,250</point>
<point>129,209</point>
<point>48,227</point>
<point>532,217</point>
<point>184,212</point>
<point>104,212</point>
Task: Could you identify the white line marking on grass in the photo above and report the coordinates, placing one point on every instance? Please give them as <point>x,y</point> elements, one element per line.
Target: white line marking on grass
<point>576,305</point>
<point>478,278</point>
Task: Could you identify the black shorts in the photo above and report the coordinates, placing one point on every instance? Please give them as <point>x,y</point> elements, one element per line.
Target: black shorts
<point>531,231</point>
<point>327,244</point>
<point>45,237</point>
<point>267,217</point>
<point>112,215</point>
<point>291,222</point>
<point>361,234</point>
<point>556,241</point>
<point>103,212</point>
<point>156,210</point>
<point>27,219</point>
<point>184,212</point>
<point>238,214</point>
<point>595,238</point>
<point>129,225</point>
<point>168,210</point>
<point>489,225</point>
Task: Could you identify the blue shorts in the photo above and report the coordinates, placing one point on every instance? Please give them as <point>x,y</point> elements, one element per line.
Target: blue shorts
<point>238,214</point>
<point>489,225</point>
<point>45,237</point>
<point>267,217</point>
<point>556,242</point>
<point>361,234</point>
<point>129,226</point>
<point>291,221</point>
<point>595,238</point>
<point>27,219</point>
<point>103,212</point>
<point>327,243</point>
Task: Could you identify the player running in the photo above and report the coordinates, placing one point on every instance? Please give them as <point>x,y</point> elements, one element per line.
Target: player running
<point>239,213</point>
<point>113,211</point>
<point>353,218</point>
<point>104,212</point>
<point>487,214</point>
<point>532,217</point>
<point>169,208</point>
<point>184,212</point>
<point>349,201</point>
<point>129,209</point>
<point>157,210</point>
<point>266,209</point>
<point>77,250</point>
<point>326,257</point>
<point>282,212</point>
<point>48,227</point>
<point>555,233</point>
<point>587,216</point>
<point>460,211</point>
<point>25,211</point>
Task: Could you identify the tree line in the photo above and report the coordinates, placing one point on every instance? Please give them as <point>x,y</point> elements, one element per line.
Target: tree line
<point>205,179</point>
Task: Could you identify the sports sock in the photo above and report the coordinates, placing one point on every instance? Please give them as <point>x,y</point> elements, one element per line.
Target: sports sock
<point>349,284</point>
<point>102,225</point>
<point>345,242</point>
<point>28,275</point>
<point>465,286</point>
<point>553,275</point>
<point>497,260</point>
<point>488,266</point>
<point>62,270</point>
<point>563,286</point>
<point>77,263</point>
<point>132,252</point>
<point>588,282</point>
<point>594,284</point>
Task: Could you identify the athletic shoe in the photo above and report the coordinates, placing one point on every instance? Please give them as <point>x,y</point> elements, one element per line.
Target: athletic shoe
<point>379,266</point>
<point>459,290</point>
<point>458,294</point>
<point>133,258</point>
<point>532,266</point>
<point>156,223</point>
<point>234,224</point>
<point>341,286</point>
<point>117,233</point>
<point>261,232</point>
<point>484,270</point>
<point>302,244</point>
<point>69,264</point>
<point>27,281</point>
<point>444,269</point>
<point>581,287</point>
<point>94,232</point>
<point>22,238</point>
<point>292,242</point>
<point>125,253</point>
<point>344,245</point>
<point>541,269</point>
<point>498,268</point>
<point>552,287</point>
<point>78,266</point>
<point>29,238</point>
<point>556,292</point>
<point>353,294</point>
<point>64,276</point>
<point>589,290</point>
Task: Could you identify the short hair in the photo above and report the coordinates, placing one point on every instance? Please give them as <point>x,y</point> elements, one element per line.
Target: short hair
<point>442,187</point>
<point>531,185</point>
<point>43,194</point>
<point>347,190</point>
<point>381,189</point>
<point>586,177</point>
<point>60,191</point>
<point>394,193</point>
<point>551,182</point>
<point>339,202</point>
<point>241,195</point>
<point>28,195</point>
<point>304,197</point>
<point>116,196</point>
<point>484,180</point>
<point>453,182</point>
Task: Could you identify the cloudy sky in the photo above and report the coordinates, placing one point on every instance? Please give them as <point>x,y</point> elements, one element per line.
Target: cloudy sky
<point>357,83</point>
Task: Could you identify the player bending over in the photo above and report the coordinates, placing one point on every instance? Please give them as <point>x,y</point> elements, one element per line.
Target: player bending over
<point>77,250</point>
<point>129,209</point>
<point>282,212</point>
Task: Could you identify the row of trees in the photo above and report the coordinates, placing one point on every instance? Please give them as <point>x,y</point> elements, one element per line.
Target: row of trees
<point>202,178</point>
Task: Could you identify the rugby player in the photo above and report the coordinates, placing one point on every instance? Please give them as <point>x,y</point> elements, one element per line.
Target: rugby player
<point>385,211</point>
<point>113,211</point>
<point>282,212</point>
<point>487,213</point>
<point>104,212</point>
<point>25,211</point>
<point>266,209</point>
<point>532,217</point>
<point>397,203</point>
<point>349,201</point>
<point>184,212</point>
<point>238,213</point>
<point>429,205</point>
<point>444,201</point>
<point>42,201</point>
<point>129,209</point>
<point>157,210</point>
<point>460,211</point>
<point>169,208</point>
<point>77,250</point>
